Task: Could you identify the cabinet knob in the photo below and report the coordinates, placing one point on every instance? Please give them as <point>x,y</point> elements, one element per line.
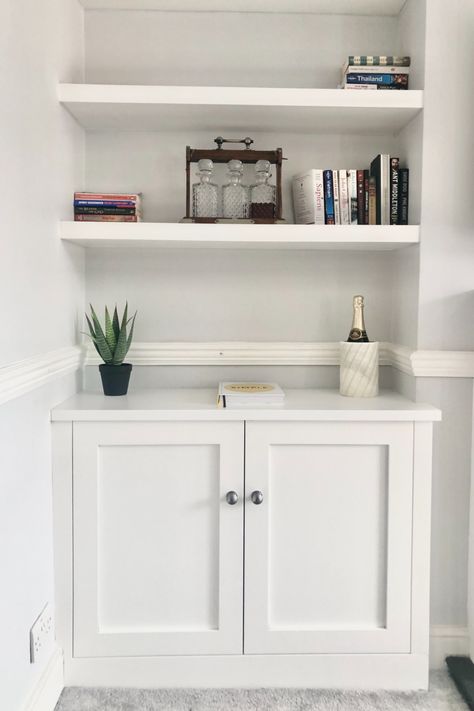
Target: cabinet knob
<point>257,497</point>
<point>232,497</point>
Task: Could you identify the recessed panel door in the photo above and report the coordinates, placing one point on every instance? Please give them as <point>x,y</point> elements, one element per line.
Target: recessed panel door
<point>157,547</point>
<point>328,537</point>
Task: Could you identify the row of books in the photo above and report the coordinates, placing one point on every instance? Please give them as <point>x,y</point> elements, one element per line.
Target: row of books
<point>370,72</point>
<point>107,207</point>
<point>374,196</point>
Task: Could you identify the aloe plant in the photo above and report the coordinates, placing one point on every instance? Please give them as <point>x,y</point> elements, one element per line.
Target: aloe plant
<point>111,342</point>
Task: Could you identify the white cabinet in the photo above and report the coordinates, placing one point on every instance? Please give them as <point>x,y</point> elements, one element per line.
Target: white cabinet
<point>328,551</point>
<point>157,549</point>
<point>316,573</point>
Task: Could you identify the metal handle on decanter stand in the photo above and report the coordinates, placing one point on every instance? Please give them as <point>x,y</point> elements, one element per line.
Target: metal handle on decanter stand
<point>220,141</point>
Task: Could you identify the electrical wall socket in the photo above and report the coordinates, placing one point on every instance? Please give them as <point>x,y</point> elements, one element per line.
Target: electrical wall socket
<point>42,634</point>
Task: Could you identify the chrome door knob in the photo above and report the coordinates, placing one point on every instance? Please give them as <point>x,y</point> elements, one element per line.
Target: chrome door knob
<point>256,497</point>
<point>232,497</point>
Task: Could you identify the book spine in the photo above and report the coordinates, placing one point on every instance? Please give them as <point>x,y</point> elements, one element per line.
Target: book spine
<point>337,203</point>
<point>105,211</point>
<point>106,218</point>
<point>403,184</point>
<point>385,189</point>
<point>400,80</point>
<point>133,197</point>
<point>328,198</point>
<point>319,216</point>
<point>360,198</point>
<point>370,60</point>
<point>344,198</point>
<point>352,185</point>
<point>364,86</point>
<point>382,69</point>
<point>372,201</point>
<point>366,197</point>
<point>394,166</point>
<point>104,203</point>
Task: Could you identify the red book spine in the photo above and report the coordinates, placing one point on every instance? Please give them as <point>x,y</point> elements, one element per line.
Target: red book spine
<point>366,197</point>
<point>105,218</point>
<point>134,197</point>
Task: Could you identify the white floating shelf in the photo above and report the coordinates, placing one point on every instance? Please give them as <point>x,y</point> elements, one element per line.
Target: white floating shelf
<point>186,235</point>
<point>318,7</point>
<point>225,109</point>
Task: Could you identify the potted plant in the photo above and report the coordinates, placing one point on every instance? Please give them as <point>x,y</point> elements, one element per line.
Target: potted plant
<point>112,344</point>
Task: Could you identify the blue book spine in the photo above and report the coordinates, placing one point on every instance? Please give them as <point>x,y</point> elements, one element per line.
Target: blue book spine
<point>329,215</point>
<point>104,203</point>
<point>383,79</point>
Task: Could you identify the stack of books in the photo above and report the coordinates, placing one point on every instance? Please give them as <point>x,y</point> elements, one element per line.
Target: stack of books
<point>367,72</point>
<point>236,395</point>
<point>107,207</point>
<point>372,196</point>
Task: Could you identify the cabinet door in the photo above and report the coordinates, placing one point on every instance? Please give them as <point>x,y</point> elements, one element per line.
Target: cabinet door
<point>158,561</point>
<point>328,550</point>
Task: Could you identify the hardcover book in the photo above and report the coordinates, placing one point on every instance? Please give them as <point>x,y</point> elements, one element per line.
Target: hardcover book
<point>394,165</point>
<point>360,198</point>
<point>106,218</point>
<point>366,197</point>
<point>400,81</point>
<point>337,205</point>
<point>328,198</point>
<point>308,197</point>
<point>352,185</point>
<point>380,170</point>
<point>372,201</point>
<point>381,60</point>
<point>403,184</point>
<point>237,395</point>
<point>344,198</point>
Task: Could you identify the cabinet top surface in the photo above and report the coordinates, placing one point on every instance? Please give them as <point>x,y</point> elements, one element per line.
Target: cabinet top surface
<point>201,404</point>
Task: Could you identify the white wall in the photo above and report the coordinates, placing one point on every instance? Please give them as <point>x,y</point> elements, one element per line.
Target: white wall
<point>222,49</point>
<point>41,292</point>
<point>446,289</point>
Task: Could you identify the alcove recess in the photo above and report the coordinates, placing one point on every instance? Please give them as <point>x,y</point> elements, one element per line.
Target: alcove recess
<point>157,80</point>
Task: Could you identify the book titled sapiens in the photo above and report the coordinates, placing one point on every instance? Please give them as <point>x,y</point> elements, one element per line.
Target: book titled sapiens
<point>247,395</point>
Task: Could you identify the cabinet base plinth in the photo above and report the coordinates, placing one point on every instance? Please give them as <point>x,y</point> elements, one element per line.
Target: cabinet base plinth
<point>345,671</point>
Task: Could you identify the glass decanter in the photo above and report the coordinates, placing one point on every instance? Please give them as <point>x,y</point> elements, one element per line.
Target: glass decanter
<point>235,196</point>
<point>205,193</point>
<point>262,194</point>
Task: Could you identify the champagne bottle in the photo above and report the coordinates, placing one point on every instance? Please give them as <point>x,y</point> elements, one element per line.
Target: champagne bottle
<point>358,334</point>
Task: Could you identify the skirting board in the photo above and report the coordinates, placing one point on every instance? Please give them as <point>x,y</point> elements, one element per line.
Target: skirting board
<point>445,641</point>
<point>47,691</point>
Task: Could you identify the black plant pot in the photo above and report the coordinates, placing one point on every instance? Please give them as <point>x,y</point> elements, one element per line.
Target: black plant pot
<point>115,378</point>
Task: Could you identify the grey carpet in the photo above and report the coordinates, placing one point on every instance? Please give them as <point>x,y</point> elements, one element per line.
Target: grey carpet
<point>442,696</point>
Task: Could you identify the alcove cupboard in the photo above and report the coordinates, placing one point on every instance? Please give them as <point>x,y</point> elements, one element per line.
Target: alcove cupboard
<point>198,547</point>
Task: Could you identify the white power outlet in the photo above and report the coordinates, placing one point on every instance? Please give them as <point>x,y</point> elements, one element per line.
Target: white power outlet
<point>42,634</point>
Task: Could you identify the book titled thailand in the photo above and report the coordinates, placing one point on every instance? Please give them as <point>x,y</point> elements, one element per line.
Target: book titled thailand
<point>397,80</point>
<point>238,395</point>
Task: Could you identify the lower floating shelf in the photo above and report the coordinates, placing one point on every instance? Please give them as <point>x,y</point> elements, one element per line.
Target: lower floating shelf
<point>235,236</point>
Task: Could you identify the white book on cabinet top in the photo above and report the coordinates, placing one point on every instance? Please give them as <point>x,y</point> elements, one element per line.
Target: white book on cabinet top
<point>181,404</point>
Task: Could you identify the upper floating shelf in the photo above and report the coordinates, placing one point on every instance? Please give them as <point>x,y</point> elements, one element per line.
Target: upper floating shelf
<point>226,109</point>
<point>317,7</point>
<point>234,236</point>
